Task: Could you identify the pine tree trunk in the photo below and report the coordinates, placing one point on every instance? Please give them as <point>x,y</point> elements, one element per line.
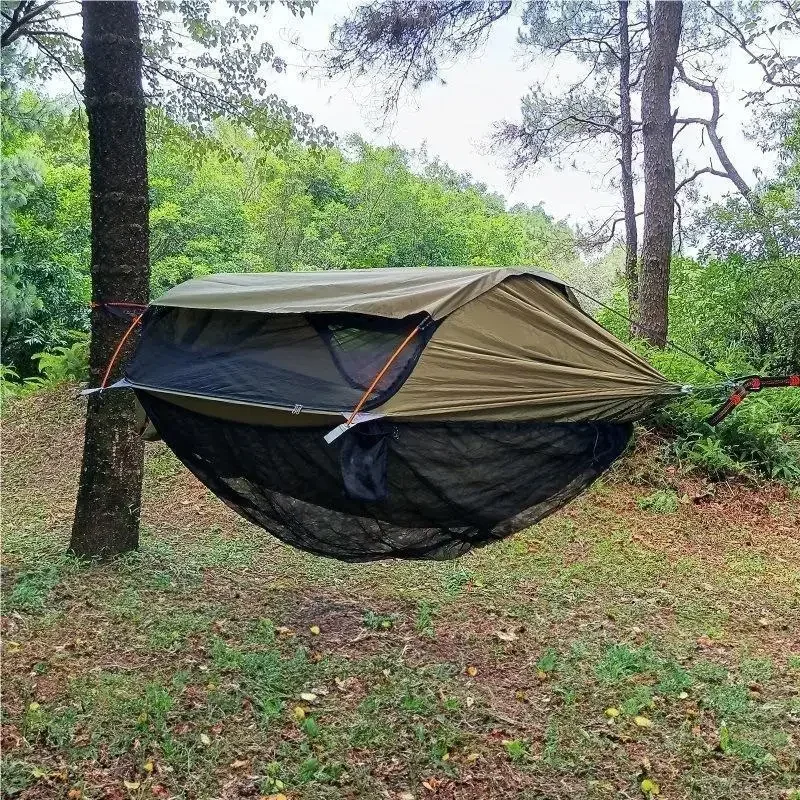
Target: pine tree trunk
<point>107,512</point>
<point>626,163</point>
<point>659,171</point>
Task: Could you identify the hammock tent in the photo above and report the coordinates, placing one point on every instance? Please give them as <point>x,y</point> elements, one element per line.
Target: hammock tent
<point>369,414</point>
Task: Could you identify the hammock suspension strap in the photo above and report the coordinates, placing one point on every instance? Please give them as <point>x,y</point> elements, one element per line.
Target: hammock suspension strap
<point>750,385</point>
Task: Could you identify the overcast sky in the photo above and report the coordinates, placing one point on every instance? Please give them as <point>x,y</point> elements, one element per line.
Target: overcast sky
<point>455,119</point>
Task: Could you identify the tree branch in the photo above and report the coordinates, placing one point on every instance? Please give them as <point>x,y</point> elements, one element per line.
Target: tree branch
<point>711,127</point>
<point>21,16</point>
<point>735,32</point>
<point>593,238</point>
<point>697,173</point>
<point>51,55</point>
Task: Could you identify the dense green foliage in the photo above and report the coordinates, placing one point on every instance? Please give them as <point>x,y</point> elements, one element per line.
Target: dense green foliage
<point>227,203</point>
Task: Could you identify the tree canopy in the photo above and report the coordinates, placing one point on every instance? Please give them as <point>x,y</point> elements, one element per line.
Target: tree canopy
<point>240,206</point>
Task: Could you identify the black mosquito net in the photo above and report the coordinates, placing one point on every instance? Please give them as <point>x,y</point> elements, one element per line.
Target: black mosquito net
<point>318,361</point>
<point>391,489</point>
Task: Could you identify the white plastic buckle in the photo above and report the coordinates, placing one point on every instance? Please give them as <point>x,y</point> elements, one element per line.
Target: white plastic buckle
<point>333,435</point>
<point>363,416</point>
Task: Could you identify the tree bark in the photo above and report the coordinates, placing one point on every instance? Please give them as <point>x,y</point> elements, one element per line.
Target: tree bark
<point>107,511</point>
<point>626,163</point>
<point>659,171</point>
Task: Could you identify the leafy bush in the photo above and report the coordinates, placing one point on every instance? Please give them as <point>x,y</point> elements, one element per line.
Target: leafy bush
<point>737,306</point>
<point>9,382</point>
<point>65,363</point>
<point>762,435</point>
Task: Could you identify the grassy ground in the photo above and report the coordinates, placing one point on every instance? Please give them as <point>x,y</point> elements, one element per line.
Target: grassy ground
<point>644,642</point>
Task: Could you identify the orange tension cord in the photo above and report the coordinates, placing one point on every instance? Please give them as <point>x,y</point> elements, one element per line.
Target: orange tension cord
<point>386,366</point>
<point>121,344</point>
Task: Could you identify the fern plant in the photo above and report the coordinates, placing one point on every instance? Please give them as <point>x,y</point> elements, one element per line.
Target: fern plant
<point>65,363</point>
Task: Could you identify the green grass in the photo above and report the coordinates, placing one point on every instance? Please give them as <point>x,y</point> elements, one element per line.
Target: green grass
<point>663,501</point>
<point>32,587</point>
<point>193,664</point>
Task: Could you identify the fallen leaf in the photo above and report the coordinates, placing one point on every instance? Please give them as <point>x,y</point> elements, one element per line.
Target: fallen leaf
<point>612,712</point>
<point>159,791</point>
<point>431,784</point>
<point>279,796</point>
<point>34,707</point>
<point>471,671</point>
<point>283,631</point>
<point>541,674</point>
<point>506,636</point>
<point>643,722</point>
<point>148,767</point>
<point>131,785</point>
<point>472,757</point>
<point>74,794</point>
<point>314,630</point>
<point>470,702</point>
<point>239,763</point>
<point>649,787</point>
<point>683,696</point>
<point>299,713</point>
<point>405,796</point>
<point>205,739</point>
<point>309,697</point>
<point>38,773</point>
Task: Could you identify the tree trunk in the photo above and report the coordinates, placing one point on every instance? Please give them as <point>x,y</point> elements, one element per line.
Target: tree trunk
<point>659,170</point>
<point>626,163</point>
<point>107,511</point>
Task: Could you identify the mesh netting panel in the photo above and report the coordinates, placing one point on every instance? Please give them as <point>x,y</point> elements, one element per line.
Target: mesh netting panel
<point>438,489</point>
<point>319,361</point>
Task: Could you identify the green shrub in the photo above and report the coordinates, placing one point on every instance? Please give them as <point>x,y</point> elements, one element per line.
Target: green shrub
<point>10,385</point>
<point>761,436</point>
<point>66,363</point>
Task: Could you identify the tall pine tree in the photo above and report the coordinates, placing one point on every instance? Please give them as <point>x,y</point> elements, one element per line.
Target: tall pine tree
<point>107,510</point>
